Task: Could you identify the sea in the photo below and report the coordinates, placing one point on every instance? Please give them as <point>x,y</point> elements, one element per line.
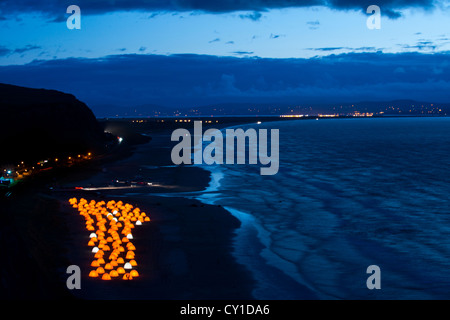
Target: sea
<point>350,194</point>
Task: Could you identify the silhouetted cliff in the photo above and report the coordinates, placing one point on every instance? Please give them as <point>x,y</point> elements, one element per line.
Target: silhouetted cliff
<point>38,124</point>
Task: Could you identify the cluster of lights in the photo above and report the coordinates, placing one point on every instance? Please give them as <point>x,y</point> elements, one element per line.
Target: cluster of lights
<point>358,114</point>
<point>110,225</point>
<point>25,168</point>
<point>293,116</point>
<point>328,115</point>
<point>188,120</point>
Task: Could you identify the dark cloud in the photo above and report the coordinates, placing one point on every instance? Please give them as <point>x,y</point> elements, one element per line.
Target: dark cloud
<point>214,40</point>
<point>4,51</point>
<point>367,49</point>
<point>325,49</point>
<point>255,16</point>
<point>57,7</point>
<point>422,45</point>
<point>276,36</point>
<point>195,80</point>
<point>313,25</point>
<point>328,48</point>
<point>241,53</point>
<point>26,48</point>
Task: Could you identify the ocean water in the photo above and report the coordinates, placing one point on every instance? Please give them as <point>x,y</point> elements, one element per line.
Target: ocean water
<point>349,193</point>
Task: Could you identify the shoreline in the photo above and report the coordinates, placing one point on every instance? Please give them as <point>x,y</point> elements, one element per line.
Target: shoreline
<point>252,248</point>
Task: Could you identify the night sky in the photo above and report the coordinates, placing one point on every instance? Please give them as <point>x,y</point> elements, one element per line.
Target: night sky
<point>190,53</point>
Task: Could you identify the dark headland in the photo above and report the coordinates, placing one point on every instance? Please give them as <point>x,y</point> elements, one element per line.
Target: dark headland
<point>38,123</point>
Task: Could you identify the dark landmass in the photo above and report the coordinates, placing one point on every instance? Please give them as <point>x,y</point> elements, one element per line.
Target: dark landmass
<point>38,123</point>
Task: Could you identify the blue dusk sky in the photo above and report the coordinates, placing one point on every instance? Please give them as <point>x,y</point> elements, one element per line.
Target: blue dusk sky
<point>190,53</point>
